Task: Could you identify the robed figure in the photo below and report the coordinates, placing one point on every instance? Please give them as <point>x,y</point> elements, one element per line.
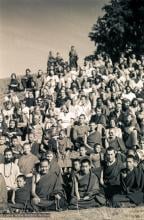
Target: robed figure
<point>47,189</point>
<point>73,58</point>
<point>85,188</point>
<point>132,185</point>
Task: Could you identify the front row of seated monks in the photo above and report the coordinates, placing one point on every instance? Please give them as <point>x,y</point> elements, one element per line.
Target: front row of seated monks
<point>116,184</point>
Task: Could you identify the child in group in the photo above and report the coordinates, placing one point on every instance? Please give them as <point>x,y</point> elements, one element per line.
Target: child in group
<point>21,195</point>
<point>16,148</point>
<point>64,148</point>
<point>96,158</point>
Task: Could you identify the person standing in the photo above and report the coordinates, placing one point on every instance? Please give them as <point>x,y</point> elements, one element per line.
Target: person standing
<point>73,58</point>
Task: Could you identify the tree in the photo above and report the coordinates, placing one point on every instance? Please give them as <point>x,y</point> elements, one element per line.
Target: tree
<point>121,28</point>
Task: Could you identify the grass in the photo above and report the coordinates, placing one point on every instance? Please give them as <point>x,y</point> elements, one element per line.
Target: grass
<point>88,214</point>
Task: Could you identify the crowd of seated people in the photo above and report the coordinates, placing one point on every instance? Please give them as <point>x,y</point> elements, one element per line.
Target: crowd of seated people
<point>74,138</point>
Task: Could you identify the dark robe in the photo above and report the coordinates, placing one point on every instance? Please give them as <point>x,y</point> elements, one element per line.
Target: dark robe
<point>52,145</point>
<point>30,102</point>
<point>54,167</point>
<point>46,188</point>
<point>117,116</point>
<point>13,132</point>
<point>132,186</point>
<point>14,85</point>
<point>35,149</point>
<point>22,198</point>
<point>111,176</point>
<point>60,101</point>
<point>88,185</point>
<point>98,119</point>
<point>73,58</point>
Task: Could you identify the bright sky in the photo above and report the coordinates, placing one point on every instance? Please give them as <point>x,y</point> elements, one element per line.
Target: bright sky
<point>30,28</point>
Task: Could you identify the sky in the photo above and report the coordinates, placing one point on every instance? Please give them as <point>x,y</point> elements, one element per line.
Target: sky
<point>29,29</point>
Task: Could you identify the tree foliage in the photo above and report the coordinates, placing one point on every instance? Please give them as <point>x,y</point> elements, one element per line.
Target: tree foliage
<point>121,27</point>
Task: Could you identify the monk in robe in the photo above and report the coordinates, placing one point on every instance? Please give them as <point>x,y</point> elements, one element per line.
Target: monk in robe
<point>53,163</point>
<point>73,58</point>
<point>47,190</point>
<point>110,175</point>
<point>21,195</point>
<point>132,184</point>
<point>68,177</point>
<point>3,194</point>
<point>85,188</point>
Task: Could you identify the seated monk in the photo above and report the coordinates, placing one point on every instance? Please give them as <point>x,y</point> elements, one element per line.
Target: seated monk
<point>110,174</point>
<point>47,190</point>
<point>21,195</point>
<point>132,184</point>
<point>85,188</point>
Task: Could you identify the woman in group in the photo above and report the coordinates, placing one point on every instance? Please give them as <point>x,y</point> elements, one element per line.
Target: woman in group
<point>14,84</point>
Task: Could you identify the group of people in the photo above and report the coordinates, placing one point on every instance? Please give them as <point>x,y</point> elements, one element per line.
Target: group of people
<point>73,137</point>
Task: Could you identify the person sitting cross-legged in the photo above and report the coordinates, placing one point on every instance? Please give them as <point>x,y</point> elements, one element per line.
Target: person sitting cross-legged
<point>47,189</point>
<point>85,188</point>
<point>132,184</point>
<point>110,174</point>
<point>21,196</point>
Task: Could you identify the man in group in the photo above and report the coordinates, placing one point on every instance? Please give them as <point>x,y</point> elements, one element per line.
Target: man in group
<point>73,58</point>
<point>132,184</point>
<point>35,148</point>
<point>110,175</point>
<point>47,189</point>
<point>10,171</point>
<point>27,162</point>
<point>93,138</point>
<point>80,131</point>
<point>85,188</point>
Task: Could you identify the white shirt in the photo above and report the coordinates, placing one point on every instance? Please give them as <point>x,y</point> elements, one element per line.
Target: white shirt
<point>129,96</point>
<point>10,172</point>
